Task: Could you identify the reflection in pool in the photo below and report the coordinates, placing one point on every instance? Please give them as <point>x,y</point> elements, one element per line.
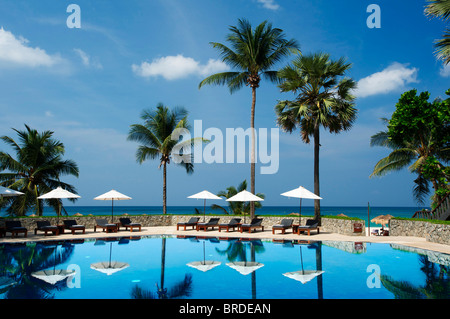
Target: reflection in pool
<point>159,267</point>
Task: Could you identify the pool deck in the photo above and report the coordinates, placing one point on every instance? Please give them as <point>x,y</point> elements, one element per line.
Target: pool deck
<point>416,242</point>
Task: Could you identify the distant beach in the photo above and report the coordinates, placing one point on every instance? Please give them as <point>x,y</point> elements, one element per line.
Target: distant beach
<point>350,211</point>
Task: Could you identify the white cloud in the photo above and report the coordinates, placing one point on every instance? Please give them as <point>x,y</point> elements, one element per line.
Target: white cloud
<point>391,79</point>
<point>269,4</point>
<point>445,71</point>
<point>86,59</point>
<point>16,51</point>
<point>178,67</point>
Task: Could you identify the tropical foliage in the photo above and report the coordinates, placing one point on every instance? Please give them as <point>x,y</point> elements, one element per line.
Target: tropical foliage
<point>252,53</point>
<point>323,99</point>
<point>159,138</point>
<point>441,9</point>
<point>419,136</point>
<point>35,168</point>
<point>236,208</point>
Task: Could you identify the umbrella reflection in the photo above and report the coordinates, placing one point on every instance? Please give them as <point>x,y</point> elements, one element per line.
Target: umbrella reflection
<point>204,265</point>
<point>53,276</point>
<point>303,275</point>
<point>109,267</point>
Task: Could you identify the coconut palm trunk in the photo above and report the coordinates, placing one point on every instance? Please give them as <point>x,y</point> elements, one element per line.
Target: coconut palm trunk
<point>316,171</point>
<point>164,189</point>
<point>253,155</point>
<point>323,99</point>
<point>252,53</point>
<point>158,140</point>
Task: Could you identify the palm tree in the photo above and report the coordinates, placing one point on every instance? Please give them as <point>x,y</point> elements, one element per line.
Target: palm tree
<point>158,140</point>
<point>424,140</point>
<point>36,170</point>
<point>236,208</point>
<point>441,9</point>
<point>412,154</point>
<point>253,53</point>
<point>323,99</point>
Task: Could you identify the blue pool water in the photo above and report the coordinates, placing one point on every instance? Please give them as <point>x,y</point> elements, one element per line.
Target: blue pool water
<point>157,267</point>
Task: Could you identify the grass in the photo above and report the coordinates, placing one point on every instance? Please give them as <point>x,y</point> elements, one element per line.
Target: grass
<point>431,221</point>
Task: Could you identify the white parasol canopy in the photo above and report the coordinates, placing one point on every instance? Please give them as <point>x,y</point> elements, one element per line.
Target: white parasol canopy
<point>6,192</point>
<point>112,195</point>
<point>303,276</point>
<point>244,196</point>
<point>204,195</point>
<point>204,265</point>
<point>109,267</point>
<point>58,193</point>
<point>245,267</point>
<point>52,276</point>
<point>301,193</point>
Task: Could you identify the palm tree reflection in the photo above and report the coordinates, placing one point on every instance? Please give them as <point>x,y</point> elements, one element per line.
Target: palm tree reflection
<point>180,289</point>
<point>18,262</point>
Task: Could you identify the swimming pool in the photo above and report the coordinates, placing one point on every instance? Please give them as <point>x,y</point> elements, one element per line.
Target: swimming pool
<point>159,267</point>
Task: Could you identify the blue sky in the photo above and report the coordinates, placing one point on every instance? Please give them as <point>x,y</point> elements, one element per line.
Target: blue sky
<point>89,84</point>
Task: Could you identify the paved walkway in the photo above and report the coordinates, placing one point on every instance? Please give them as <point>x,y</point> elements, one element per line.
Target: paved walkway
<point>416,242</point>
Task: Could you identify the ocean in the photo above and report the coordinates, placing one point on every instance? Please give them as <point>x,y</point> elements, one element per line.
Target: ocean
<point>351,211</point>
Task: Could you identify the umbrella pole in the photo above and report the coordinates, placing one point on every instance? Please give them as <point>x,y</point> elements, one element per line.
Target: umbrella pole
<point>112,211</point>
<point>301,259</point>
<point>300,213</point>
<point>204,257</point>
<point>204,210</point>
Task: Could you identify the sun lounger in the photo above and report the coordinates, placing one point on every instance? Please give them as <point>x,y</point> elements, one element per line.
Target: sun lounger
<point>15,227</point>
<point>191,222</point>
<point>126,222</point>
<point>235,222</point>
<point>311,224</point>
<point>254,224</point>
<point>45,226</point>
<point>285,224</point>
<point>103,224</point>
<point>73,226</point>
<point>213,222</point>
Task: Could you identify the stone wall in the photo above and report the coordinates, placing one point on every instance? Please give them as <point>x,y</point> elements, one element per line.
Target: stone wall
<point>332,225</point>
<point>436,233</point>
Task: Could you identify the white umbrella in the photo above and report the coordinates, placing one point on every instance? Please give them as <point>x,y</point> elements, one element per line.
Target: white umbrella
<point>6,192</point>
<point>204,265</point>
<point>303,276</point>
<point>58,193</point>
<point>111,266</point>
<point>301,193</point>
<point>204,195</point>
<point>112,195</point>
<point>245,267</point>
<point>53,276</point>
<point>244,196</point>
